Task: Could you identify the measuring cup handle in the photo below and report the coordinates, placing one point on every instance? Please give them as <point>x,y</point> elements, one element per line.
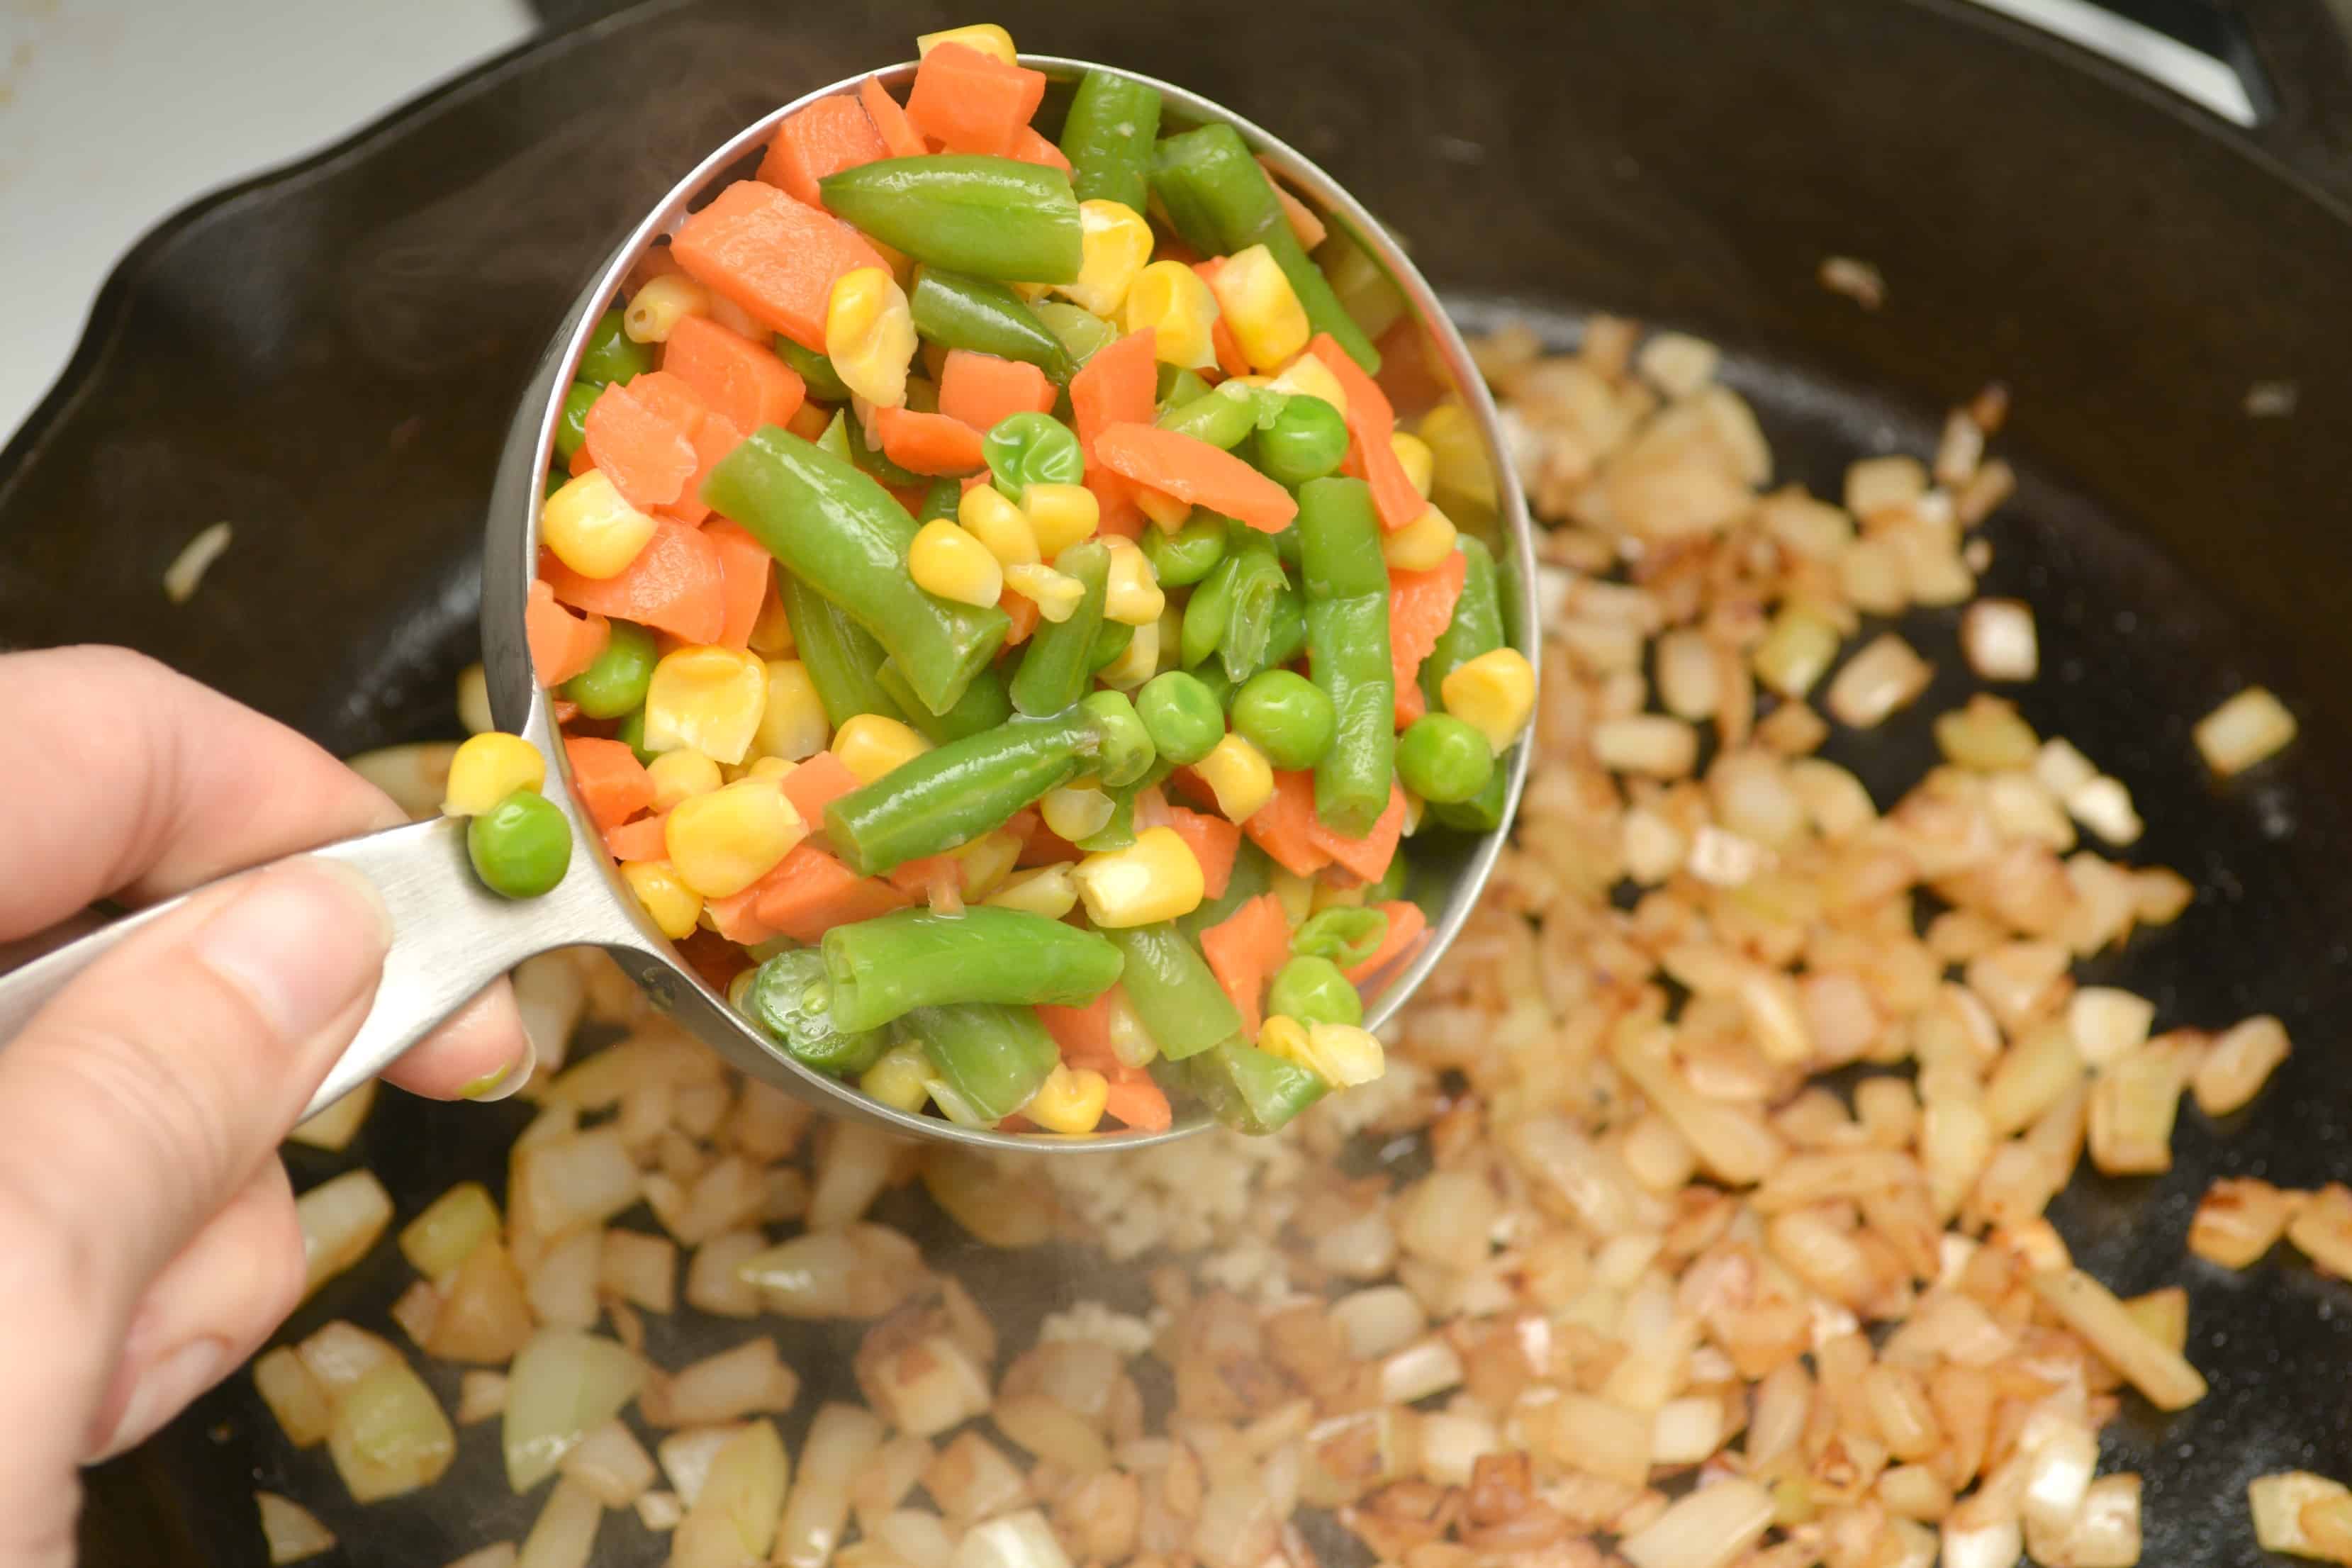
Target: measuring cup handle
<point>450,937</point>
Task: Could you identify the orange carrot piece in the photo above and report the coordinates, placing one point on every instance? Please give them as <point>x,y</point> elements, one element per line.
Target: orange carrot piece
<point>810,892</point>
<point>1214,841</point>
<point>1368,856</point>
<point>745,383</point>
<point>1192,470</point>
<point>745,570</point>
<point>1115,504</point>
<point>1420,607</point>
<point>828,136</point>
<point>1022,610</point>
<point>1221,341</point>
<point>1283,826</point>
<point>583,462</point>
<point>607,780</point>
<point>1136,1099</point>
<point>1408,929</point>
<point>676,584</point>
<point>714,958</point>
<point>1119,386</point>
<point>981,389</point>
<point>927,443</point>
<point>1370,423</point>
<point>917,879</point>
<point>1410,704</point>
<point>816,783</point>
<point>1031,148</point>
<point>773,257</point>
<point>1040,845</point>
<point>899,138</point>
<point>562,644</point>
<point>647,455</point>
<point>972,102</point>
<point>1304,223</point>
<point>1084,1033</point>
<point>1243,950</point>
<point>713,439</point>
<point>562,709</point>
<point>647,838</point>
<point>671,398</point>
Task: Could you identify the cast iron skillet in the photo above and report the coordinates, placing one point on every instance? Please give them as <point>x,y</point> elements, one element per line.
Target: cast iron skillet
<point>327,357</point>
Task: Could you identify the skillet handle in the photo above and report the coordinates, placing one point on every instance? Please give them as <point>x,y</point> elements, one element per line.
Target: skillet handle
<point>451,937</point>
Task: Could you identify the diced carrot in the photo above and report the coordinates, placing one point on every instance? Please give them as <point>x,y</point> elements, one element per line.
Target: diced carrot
<point>776,258</point>
<point>982,390</point>
<point>828,136</point>
<point>1408,929</point>
<point>607,780</point>
<point>1040,845</point>
<point>816,783</point>
<point>1420,607</point>
<point>736,917</point>
<point>1084,1033</point>
<point>1408,380</point>
<point>1118,386</point>
<point>972,102</point>
<point>919,879</point>
<point>671,398</point>
<point>1283,826</point>
<point>1192,470</point>
<point>675,584</point>
<point>582,461</point>
<point>899,138</point>
<point>647,838</point>
<point>562,709</point>
<point>927,443</point>
<point>1243,950</point>
<point>1221,341</point>
<point>1031,148</point>
<point>1304,223</point>
<point>745,570</point>
<point>714,958</point>
<point>1410,704</point>
<point>562,644</point>
<point>810,892</point>
<point>1370,423</point>
<point>1022,610</point>
<point>1368,856</point>
<point>1136,1099</point>
<point>1214,841</point>
<point>1115,505</point>
<point>713,439</point>
<point>742,382</point>
<point>646,454</point>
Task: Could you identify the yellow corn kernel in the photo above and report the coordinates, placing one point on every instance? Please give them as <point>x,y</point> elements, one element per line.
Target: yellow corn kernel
<point>901,1079</point>
<point>946,560</point>
<point>1238,774</point>
<point>791,724</point>
<point>1056,594</point>
<point>680,775</point>
<point>1460,465</point>
<point>1115,243</point>
<point>1138,662</point>
<point>723,842</point>
<point>488,767</point>
<point>1492,693</point>
<point>986,37</point>
<point>1284,1036</point>
<point>673,907</point>
<point>987,861</point>
<point>1329,896</point>
<point>1309,376</point>
<point>869,335</point>
<point>711,699</point>
<point>1171,638</point>
<point>1059,516</point>
<point>1421,545</point>
<point>1163,509</point>
<point>590,528</point>
<point>999,525</point>
<point>1414,808</point>
<point>772,634</point>
<point>1076,811</point>
<point>1294,893</point>
<point>1343,1056</point>
<point>1071,1099</point>
<point>1260,307</point>
<point>1170,298</point>
<point>1132,596</point>
<point>1418,462</point>
<point>870,745</point>
<point>1041,891</point>
<point>661,305</point>
<point>1154,878</point>
<point>767,768</point>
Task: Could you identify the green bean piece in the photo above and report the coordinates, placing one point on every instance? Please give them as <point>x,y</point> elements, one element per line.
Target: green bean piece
<point>816,371</point>
<point>1347,584</point>
<point>791,997</point>
<point>1307,440</point>
<point>992,217</point>
<point>1251,1090</point>
<point>1259,583</point>
<point>1346,936</point>
<point>1081,332</point>
<point>522,846</point>
<point>984,704</point>
<point>884,968</point>
<point>611,355</point>
<point>1055,664</point>
<point>1123,748</point>
<point>1363,285</point>
<point>632,734</point>
<point>1205,612</point>
<point>1222,201</point>
<point>1286,638</point>
<point>1252,875</point>
<point>1031,448</point>
<point>1182,715</point>
<point>944,497</point>
<point>1390,885</point>
<point>556,479</point>
<point>1286,716</point>
<point>1110,643</point>
<point>615,681</point>
<point>959,313</point>
<point>1444,760</point>
<point>841,532</point>
<point>1120,831</point>
<point>571,426</point>
<point>992,1055</point>
<point>1313,990</point>
<point>1177,386</point>
<point>1182,558</point>
<point>1476,628</point>
<point>1107,137</point>
<point>1223,422</point>
<point>842,660</point>
<point>954,792</point>
<point>1173,991</point>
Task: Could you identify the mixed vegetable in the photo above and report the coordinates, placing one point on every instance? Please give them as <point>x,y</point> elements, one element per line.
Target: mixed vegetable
<point>999,624</point>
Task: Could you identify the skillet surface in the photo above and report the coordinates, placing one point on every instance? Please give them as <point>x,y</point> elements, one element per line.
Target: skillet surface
<point>327,357</point>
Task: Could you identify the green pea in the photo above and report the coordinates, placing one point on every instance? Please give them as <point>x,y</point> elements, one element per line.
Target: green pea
<point>1184,557</point>
<point>1306,442</point>
<point>1125,750</point>
<point>1026,450</point>
<point>1182,716</point>
<point>1444,760</point>
<point>1285,715</point>
<point>1178,388</point>
<point>522,846</point>
<point>571,429</point>
<point>816,371</point>
<point>632,734</point>
<point>614,683</point>
<point>1083,333</point>
<point>1313,990</point>
<point>610,355</point>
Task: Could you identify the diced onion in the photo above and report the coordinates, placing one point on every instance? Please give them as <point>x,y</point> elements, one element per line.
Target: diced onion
<point>1709,1529</point>
<point>334,1128</point>
<point>293,1532</point>
<point>562,1385</point>
<point>296,1398</point>
<point>841,1440</point>
<point>748,1380</point>
<point>390,1435</point>
<point>1021,1540</point>
<point>564,1534</point>
<point>2247,729</point>
<point>2278,1503</point>
<point>2091,1310</point>
<point>1885,676</point>
<point>730,1515</point>
<point>341,1218</point>
<point>195,558</point>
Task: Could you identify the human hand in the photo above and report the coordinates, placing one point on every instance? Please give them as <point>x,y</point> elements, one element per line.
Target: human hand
<point>148,1242</point>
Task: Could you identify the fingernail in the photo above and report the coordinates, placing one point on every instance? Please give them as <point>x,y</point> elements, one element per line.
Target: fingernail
<point>301,941</point>
<point>164,1390</point>
<point>506,1081</point>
